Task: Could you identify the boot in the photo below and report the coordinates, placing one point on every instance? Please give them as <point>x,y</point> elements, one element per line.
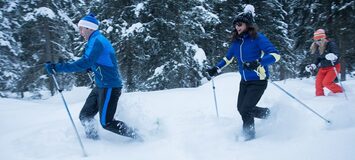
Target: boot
<point>248,133</point>
<point>90,127</point>
<point>133,133</point>
<point>262,113</point>
<point>267,113</point>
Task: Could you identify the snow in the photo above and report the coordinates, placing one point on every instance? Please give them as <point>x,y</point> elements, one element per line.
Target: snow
<point>346,5</point>
<point>200,55</point>
<point>8,74</point>
<point>12,6</point>
<point>136,27</point>
<point>66,18</point>
<point>42,11</point>
<point>206,15</point>
<point>138,8</point>
<point>5,40</point>
<point>188,128</point>
<point>158,71</point>
<point>6,23</point>
<point>109,29</point>
<point>46,12</point>
<point>148,38</point>
<point>4,43</point>
<point>108,22</point>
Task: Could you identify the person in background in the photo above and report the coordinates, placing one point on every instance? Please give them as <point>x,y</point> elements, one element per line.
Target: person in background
<point>254,53</point>
<point>99,56</point>
<point>327,53</point>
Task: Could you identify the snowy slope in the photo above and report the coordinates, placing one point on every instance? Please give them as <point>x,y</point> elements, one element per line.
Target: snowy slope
<point>188,128</point>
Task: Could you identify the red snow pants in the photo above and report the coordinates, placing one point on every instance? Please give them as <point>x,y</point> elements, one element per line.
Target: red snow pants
<point>325,78</point>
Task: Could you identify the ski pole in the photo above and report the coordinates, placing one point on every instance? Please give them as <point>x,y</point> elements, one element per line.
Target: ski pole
<point>91,78</point>
<point>71,119</point>
<point>306,106</point>
<point>336,73</point>
<point>214,94</point>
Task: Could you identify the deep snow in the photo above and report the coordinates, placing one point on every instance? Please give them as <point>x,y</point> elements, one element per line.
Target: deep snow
<point>188,128</point>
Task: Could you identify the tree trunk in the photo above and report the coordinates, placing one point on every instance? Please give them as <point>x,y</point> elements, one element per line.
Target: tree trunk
<point>342,61</point>
<point>47,52</point>
<point>282,75</point>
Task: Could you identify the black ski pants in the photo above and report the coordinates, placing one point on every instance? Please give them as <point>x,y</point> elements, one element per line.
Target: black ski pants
<point>104,101</point>
<point>249,95</point>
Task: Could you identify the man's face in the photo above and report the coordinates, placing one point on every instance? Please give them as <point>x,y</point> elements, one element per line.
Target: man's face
<point>85,32</point>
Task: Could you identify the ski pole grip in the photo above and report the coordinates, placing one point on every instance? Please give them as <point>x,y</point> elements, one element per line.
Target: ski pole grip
<point>53,70</point>
<point>51,65</point>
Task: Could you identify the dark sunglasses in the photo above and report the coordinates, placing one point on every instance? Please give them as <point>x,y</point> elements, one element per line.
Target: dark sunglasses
<point>239,24</point>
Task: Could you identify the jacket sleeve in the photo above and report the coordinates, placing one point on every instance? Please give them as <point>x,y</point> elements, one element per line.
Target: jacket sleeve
<point>318,59</point>
<point>227,59</point>
<point>332,48</point>
<point>83,63</point>
<point>270,53</point>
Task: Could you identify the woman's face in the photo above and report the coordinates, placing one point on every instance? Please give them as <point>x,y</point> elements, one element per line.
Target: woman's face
<point>320,41</point>
<point>240,27</point>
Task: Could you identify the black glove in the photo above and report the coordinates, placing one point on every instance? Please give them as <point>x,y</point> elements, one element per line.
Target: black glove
<point>253,65</point>
<point>88,70</point>
<point>50,68</point>
<point>212,71</point>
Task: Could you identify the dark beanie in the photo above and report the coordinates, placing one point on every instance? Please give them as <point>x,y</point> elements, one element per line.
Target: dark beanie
<point>247,16</point>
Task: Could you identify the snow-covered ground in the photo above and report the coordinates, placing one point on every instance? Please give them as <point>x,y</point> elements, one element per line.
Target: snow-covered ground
<point>181,124</point>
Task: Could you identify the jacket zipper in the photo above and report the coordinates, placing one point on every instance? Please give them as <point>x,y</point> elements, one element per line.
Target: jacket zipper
<point>241,57</point>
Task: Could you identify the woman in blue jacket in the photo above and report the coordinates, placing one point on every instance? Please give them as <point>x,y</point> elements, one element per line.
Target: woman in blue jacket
<point>254,52</point>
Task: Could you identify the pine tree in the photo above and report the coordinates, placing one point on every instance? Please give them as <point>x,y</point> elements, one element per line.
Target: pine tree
<point>219,37</point>
<point>340,21</point>
<point>160,44</point>
<point>302,25</point>
<point>151,40</point>
<point>9,49</point>
<point>274,24</point>
<point>336,17</point>
<point>46,34</point>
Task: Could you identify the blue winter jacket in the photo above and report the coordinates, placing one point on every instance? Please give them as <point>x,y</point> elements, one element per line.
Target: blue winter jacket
<point>248,49</point>
<point>99,56</point>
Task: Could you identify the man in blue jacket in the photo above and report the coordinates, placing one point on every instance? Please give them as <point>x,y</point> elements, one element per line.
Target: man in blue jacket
<point>99,57</point>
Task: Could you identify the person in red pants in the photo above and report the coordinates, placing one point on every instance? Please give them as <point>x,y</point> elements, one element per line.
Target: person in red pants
<point>327,53</point>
